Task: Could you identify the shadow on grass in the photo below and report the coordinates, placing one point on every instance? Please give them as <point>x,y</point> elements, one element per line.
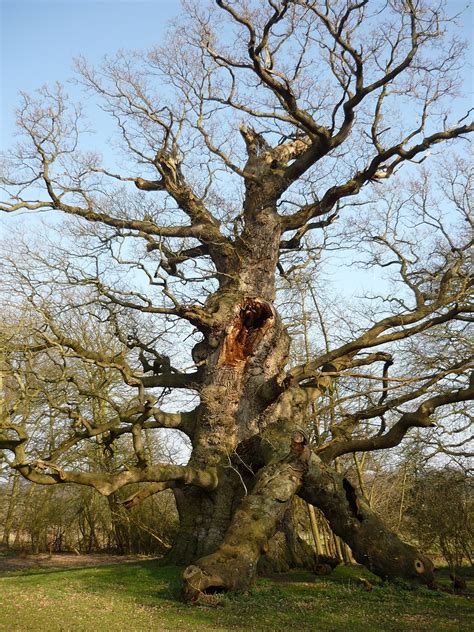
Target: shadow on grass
<point>130,577</point>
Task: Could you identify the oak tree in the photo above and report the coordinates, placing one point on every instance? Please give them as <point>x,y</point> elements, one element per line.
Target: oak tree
<point>248,138</point>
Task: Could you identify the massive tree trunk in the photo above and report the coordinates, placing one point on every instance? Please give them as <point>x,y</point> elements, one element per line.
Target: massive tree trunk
<point>204,519</point>
<point>251,428</point>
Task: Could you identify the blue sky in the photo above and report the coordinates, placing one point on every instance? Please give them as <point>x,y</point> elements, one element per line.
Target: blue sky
<point>40,38</point>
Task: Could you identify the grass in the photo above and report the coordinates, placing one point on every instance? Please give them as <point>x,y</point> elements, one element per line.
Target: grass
<point>145,596</point>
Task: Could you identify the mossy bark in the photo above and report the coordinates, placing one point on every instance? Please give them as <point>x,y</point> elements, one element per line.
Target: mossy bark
<point>204,520</point>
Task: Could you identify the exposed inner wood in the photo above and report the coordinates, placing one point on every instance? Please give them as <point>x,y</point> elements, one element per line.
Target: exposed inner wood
<point>254,319</point>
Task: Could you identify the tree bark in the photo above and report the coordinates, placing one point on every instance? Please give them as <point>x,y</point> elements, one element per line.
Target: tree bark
<point>204,519</point>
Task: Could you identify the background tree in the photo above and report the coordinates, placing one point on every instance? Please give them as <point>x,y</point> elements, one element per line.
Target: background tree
<point>246,134</point>
<point>39,394</point>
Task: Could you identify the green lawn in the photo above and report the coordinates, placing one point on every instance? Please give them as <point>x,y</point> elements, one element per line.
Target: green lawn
<point>144,596</point>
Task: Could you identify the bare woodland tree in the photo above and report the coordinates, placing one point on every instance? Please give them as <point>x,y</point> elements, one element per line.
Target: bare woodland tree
<point>247,134</point>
